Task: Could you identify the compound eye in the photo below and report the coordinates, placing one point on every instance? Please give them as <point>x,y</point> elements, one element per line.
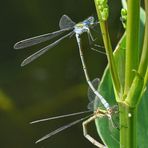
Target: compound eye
<point>91,19</point>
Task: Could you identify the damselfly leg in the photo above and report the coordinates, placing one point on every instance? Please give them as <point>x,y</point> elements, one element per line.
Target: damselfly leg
<point>100,114</point>
<point>97,114</point>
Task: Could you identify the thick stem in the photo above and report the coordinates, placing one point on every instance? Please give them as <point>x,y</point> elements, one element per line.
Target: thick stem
<point>128,133</point>
<point>132,42</point>
<point>128,112</point>
<point>137,87</point>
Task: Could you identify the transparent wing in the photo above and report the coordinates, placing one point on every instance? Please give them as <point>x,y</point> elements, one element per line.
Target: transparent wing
<point>113,123</point>
<point>61,116</point>
<point>115,117</point>
<point>95,83</point>
<point>43,50</point>
<point>91,94</point>
<point>38,39</point>
<point>60,129</point>
<point>66,22</point>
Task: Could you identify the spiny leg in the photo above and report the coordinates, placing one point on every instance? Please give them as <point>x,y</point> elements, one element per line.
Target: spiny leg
<point>90,36</point>
<point>91,43</point>
<point>90,39</point>
<point>102,52</point>
<point>87,136</point>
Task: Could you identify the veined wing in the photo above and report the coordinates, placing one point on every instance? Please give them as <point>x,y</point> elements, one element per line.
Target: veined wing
<point>43,50</point>
<point>59,117</point>
<point>66,22</point>
<point>39,39</point>
<point>95,83</point>
<point>61,129</point>
<point>91,94</point>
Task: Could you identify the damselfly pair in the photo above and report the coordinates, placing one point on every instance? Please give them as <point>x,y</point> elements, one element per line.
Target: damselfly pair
<point>66,25</point>
<point>98,113</point>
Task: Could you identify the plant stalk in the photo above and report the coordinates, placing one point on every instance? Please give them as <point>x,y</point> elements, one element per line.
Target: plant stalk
<point>132,42</point>
<point>137,87</point>
<point>128,112</point>
<point>109,52</point>
<point>128,117</point>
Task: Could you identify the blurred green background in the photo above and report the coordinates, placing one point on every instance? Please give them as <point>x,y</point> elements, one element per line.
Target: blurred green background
<point>52,85</point>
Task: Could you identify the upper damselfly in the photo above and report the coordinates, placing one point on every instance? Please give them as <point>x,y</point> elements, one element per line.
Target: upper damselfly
<point>66,25</point>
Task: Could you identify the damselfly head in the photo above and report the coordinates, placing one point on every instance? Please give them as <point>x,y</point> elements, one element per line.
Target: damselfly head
<point>89,21</point>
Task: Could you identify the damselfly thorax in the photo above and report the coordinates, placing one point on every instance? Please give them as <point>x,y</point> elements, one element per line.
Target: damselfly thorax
<point>84,26</point>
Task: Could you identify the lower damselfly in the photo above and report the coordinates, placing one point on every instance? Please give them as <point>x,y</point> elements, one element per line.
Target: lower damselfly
<point>66,25</point>
<point>97,113</point>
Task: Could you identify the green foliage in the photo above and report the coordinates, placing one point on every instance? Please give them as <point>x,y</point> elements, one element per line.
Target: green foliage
<point>124,17</point>
<point>103,8</point>
<point>111,137</point>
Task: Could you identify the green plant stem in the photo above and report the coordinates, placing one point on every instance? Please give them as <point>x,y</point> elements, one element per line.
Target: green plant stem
<point>134,94</point>
<point>128,133</point>
<point>128,111</point>
<point>146,78</point>
<point>109,52</point>
<point>132,43</point>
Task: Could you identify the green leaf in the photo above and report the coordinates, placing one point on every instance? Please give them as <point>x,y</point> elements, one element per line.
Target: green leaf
<point>142,125</point>
<point>108,133</point>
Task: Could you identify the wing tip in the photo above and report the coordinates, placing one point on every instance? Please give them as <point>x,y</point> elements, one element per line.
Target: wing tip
<point>16,45</point>
<point>37,141</point>
<point>24,63</point>
<point>41,139</point>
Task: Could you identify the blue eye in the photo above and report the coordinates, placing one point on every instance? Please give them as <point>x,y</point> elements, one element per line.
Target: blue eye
<point>86,22</point>
<point>89,21</point>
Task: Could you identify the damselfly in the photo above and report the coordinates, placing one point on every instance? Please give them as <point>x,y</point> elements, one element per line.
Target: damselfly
<point>65,24</point>
<point>98,113</point>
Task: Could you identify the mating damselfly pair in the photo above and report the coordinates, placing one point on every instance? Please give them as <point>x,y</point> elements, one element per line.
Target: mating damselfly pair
<point>71,28</point>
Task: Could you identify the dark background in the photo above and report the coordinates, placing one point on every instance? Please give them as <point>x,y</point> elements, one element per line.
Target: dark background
<point>52,85</point>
